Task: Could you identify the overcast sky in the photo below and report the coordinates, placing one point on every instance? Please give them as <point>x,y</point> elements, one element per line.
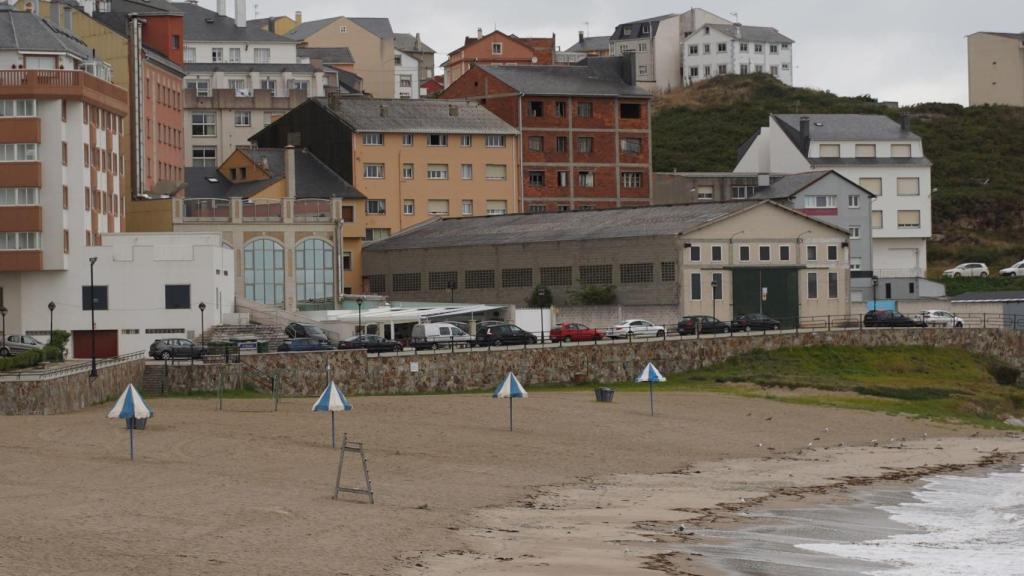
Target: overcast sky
<point>905,50</point>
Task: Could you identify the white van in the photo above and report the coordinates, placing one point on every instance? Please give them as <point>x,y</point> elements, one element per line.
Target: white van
<point>439,335</point>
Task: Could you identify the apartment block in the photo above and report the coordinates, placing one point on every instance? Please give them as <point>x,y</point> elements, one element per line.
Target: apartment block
<point>413,159</point>
<point>718,49</point>
<point>371,42</point>
<point>497,48</point>
<point>411,45</point>
<point>995,67</point>
<point>584,131</point>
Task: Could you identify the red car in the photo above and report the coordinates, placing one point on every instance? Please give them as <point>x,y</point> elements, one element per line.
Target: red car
<point>575,333</point>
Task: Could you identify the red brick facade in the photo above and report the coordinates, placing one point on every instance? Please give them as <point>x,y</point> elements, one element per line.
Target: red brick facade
<point>579,152</point>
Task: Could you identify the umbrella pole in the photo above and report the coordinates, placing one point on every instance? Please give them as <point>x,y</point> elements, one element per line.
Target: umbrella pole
<point>131,441</point>
<point>510,413</point>
<point>651,384</point>
<point>332,430</point>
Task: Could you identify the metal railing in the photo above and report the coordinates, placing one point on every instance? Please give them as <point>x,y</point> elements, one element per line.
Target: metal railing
<point>311,210</point>
<point>270,211</point>
<point>206,209</point>
<point>68,370</point>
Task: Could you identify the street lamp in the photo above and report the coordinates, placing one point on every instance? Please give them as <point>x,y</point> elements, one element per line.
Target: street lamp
<point>202,323</point>
<point>51,306</point>
<point>359,303</point>
<point>3,341</point>
<point>541,294</point>
<point>92,313</point>
<point>451,287</point>
<point>714,296</point>
<point>874,292</point>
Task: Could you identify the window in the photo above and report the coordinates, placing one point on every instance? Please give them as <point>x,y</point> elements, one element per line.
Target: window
<point>758,48</point>
<point>177,297</point>
<point>17,108</point>
<point>586,179</point>
<point>236,84</point>
<point>261,55</point>
<point>407,171</point>
<point>517,278</point>
<point>406,139</point>
<point>596,274</point>
<point>855,264</point>
<point>785,66</point>
<point>873,185</point>
<point>314,274</point>
<point>668,271</point>
<point>535,143</point>
<point>19,241</point>
<point>584,109</point>
<point>496,172</point>
<point>494,141</point>
<point>200,87</point>
<point>784,253</point>
<point>833,253</point>
<point>216,54</point>
<point>563,179</point>
<point>373,171</point>
<point>269,85</point>
<point>908,186</point>
<point>833,285</point>
<point>744,253</point>
<point>496,48</point>
<point>705,192</point>
<point>764,253</point>
<point>876,219</point>
<point>408,207</point>
<point>716,286</point>
<point>377,234</point>
<point>467,207</point>
<point>204,124</point>
<point>234,55</point>
<point>864,151</point>
<point>19,152</point>
<point>437,207</point>
<point>443,280</point>
<point>707,71</point>
<point>559,276</point>
<point>900,151</point>
<point>243,118</point>
<point>437,171</point>
<point>828,150</point>
<point>466,140</point>
<point>632,179</point>
<point>742,192</point>
<point>373,139</point>
<point>536,108</point>
<point>636,273</point>
<point>346,261</point>
<point>95,298</point>
<point>722,47</point>
<point>628,110</point>
<point>812,253</point>
<point>853,201</point>
<point>64,153</point>
<point>775,70</point>
<point>479,279</point>
<point>828,201</point>
<point>707,48</point>
<point>585,144</point>
<point>204,156</point>
<point>497,207</point>
<point>744,47</point>
<point>695,286</point>
<point>407,282</point>
<point>744,69</point>
<point>694,253</point>
<point>694,71</point>
<point>377,206</point>
<point>630,145</point>
<point>723,69</point>
<point>908,218</point>
<point>561,143</point>
<point>812,285</point>
<point>693,49</point>
<point>404,80</point>
<point>854,232</point>
<point>437,140</point>
<point>536,178</point>
<point>190,54</point>
<point>467,171</point>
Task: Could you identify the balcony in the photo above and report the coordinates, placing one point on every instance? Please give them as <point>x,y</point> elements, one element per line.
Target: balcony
<point>21,219</point>
<point>70,84</point>
<point>279,210</point>
<point>206,210</point>
<point>259,99</point>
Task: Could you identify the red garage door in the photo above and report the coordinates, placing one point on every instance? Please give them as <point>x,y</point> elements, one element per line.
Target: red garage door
<point>106,343</point>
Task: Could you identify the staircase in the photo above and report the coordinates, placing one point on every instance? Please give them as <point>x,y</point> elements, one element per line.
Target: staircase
<point>152,380</point>
<point>273,335</point>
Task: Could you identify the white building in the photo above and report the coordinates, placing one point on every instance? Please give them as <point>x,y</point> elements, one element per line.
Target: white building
<point>407,76</point>
<point>717,49</point>
<point>239,78</point>
<point>878,153</point>
<point>147,286</point>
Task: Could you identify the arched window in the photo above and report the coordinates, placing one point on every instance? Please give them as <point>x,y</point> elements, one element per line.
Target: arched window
<point>264,272</point>
<point>314,274</point>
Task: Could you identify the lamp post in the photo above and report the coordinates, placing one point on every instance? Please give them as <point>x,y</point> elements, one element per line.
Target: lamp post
<point>714,296</point>
<point>92,313</point>
<point>874,292</point>
<point>451,288</point>
<point>541,294</point>
<point>202,323</point>
<point>3,339</point>
<point>359,328</point>
<point>51,307</point>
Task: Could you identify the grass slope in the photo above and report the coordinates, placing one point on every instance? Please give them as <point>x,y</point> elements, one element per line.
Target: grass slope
<point>978,207</point>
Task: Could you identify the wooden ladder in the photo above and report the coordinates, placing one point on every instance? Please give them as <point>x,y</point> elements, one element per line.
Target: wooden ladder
<point>357,448</point>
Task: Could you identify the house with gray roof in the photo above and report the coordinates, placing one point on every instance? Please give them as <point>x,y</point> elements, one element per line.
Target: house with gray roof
<point>716,49</point>
<point>412,45</point>
<point>370,41</point>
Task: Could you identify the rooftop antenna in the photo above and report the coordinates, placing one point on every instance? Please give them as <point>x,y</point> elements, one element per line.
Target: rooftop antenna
<point>736,16</point>
<point>256,11</point>
<point>587,25</point>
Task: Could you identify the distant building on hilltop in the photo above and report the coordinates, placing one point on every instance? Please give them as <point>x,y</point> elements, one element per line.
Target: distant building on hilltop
<point>995,68</point>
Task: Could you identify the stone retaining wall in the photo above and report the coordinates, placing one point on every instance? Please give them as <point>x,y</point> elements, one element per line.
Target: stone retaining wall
<point>303,374</point>
<point>69,392</point>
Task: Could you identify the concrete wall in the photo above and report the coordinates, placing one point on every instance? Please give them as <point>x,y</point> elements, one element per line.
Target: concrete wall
<point>995,68</point>
<point>304,374</point>
<point>68,393</point>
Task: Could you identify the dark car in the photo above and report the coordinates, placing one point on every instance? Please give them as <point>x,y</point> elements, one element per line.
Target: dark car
<point>503,335</point>
<point>890,319</point>
<point>304,345</point>
<point>756,321</point>
<point>167,348</point>
<point>572,332</point>
<point>370,343</point>
<point>296,330</point>
<point>701,325</point>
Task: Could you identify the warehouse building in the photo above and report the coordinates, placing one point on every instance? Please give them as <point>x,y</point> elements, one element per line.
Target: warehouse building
<point>724,258</point>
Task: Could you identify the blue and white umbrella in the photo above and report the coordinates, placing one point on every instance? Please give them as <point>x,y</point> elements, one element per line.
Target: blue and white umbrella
<point>332,400</point>
<point>650,375</point>
<point>510,388</point>
<point>131,407</point>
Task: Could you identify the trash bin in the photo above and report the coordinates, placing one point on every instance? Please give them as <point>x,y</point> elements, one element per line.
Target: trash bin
<point>136,423</point>
<point>604,394</point>
<point>262,346</point>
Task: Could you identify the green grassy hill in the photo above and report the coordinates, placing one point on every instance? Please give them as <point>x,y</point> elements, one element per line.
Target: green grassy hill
<point>977,153</point>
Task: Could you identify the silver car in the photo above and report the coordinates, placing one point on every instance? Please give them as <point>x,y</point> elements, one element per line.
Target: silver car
<point>18,343</point>
<point>941,318</point>
<point>636,328</point>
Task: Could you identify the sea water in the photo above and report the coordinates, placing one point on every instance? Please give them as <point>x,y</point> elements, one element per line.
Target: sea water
<point>959,525</point>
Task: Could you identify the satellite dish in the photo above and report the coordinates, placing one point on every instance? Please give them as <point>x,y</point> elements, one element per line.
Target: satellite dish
<point>533,60</point>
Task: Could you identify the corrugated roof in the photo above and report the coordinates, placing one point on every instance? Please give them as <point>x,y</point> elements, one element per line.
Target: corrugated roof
<point>592,44</point>
<point>407,43</point>
<point>313,178</point>
<point>849,127</point>
<point>562,226</point>
<point>992,296</point>
<point>202,25</point>
<point>751,33</point>
<point>26,32</point>
<point>591,77</point>
<point>417,116</point>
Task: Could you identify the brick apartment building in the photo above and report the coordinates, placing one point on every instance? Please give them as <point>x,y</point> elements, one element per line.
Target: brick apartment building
<point>585,131</point>
<point>497,48</point>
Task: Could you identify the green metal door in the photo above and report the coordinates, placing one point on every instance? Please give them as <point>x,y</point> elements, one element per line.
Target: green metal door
<point>771,291</point>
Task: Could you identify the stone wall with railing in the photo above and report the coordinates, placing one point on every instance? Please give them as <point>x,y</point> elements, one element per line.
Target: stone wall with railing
<point>63,389</point>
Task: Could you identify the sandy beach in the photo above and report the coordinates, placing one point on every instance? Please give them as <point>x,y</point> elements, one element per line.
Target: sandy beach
<point>577,488</point>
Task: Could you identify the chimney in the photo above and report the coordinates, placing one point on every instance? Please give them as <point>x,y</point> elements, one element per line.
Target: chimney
<point>581,36</point>
<point>453,110</point>
<point>298,17</point>
<point>418,44</point>
<point>479,33</point>
<point>289,169</point>
<point>222,7</point>
<point>240,13</point>
<point>905,122</point>
<point>383,111</point>
<point>805,131</point>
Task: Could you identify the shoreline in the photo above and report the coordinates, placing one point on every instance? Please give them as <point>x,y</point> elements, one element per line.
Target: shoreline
<point>647,522</point>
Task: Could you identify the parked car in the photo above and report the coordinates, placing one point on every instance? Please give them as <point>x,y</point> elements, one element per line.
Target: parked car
<point>18,343</point>
<point>967,270</point>
<point>1015,270</point>
<point>304,345</point>
<point>942,318</point>
<point>575,333</point>
<point>503,335</point>
<point>755,321</point>
<point>890,319</point>
<point>636,329</point>
<point>370,343</point>
<point>701,325</point>
<point>438,335</point>
<point>167,348</point>
<point>297,330</point>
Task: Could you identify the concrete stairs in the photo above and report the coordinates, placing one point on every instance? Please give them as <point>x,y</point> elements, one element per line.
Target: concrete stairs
<point>273,335</point>
<point>152,380</point>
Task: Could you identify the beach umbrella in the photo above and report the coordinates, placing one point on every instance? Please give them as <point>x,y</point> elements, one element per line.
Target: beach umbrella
<point>510,388</point>
<point>332,400</point>
<point>131,407</point>
<point>650,375</point>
